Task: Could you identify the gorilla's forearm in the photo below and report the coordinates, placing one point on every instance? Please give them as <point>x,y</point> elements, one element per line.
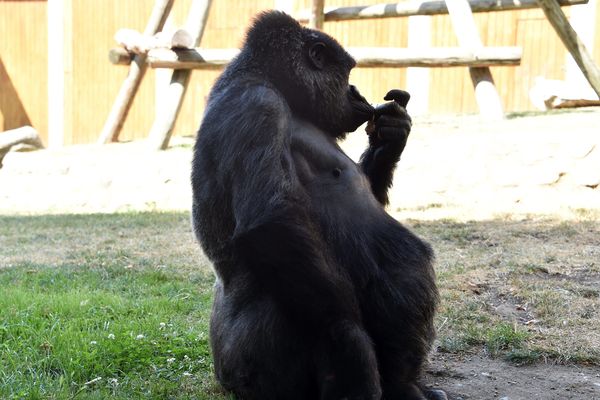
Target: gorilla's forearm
<point>378,164</point>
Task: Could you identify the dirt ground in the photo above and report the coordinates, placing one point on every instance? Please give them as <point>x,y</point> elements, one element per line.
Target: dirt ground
<point>540,166</point>
<point>453,167</point>
<point>481,378</point>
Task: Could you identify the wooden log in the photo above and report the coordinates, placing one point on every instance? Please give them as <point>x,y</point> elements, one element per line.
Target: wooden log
<point>486,95</point>
<point>118,114</point>
<point>135,42</point>
<point>25,135</point>
<point>421,7</point>
<point>366,57</point>
<point>316,16</point>
<point>555,102</point>
<point>571,40</point>
<point>162,128</point>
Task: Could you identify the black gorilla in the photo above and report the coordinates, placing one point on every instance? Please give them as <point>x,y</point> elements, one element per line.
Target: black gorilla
<point>320,293</point>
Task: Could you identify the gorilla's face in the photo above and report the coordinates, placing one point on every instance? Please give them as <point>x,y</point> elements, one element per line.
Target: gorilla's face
<point>311,70</point>
<point>331,102</point>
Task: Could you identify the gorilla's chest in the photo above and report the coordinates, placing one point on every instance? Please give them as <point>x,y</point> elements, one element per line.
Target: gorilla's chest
<point>332,180</point>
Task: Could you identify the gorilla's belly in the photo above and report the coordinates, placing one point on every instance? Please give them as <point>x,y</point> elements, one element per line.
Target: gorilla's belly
<point>337,188</point>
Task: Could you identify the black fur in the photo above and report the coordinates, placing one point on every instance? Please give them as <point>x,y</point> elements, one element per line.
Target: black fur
<point>320,294</point>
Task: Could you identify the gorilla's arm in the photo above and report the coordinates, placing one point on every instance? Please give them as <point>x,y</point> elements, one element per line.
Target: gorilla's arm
<point>273,232</point>
<point>386,143</point>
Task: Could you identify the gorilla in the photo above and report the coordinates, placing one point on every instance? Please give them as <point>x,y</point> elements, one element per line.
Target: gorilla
<point>320,294</point>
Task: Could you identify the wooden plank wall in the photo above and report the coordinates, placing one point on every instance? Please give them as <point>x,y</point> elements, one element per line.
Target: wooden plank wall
<point>23,65</point>
<point>95,82</point>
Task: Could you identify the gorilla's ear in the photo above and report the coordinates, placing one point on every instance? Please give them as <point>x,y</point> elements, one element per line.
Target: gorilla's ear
<point>316,54</point>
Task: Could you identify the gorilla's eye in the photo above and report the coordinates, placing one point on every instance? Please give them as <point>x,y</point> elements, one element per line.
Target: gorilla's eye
<point>316,54</point>
<point>336,172</point>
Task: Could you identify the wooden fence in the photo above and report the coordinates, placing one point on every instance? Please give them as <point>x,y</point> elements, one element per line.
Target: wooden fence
<point>91,82</point>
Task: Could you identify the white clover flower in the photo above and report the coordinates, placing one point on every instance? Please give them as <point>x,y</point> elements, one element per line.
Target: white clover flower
<point>187,374</point>
<point>162,325</point>
<point>113,382</point>
<point>111,336</point>
<point>139,337</point>
<point>170,360</point>
<point>93,342</point>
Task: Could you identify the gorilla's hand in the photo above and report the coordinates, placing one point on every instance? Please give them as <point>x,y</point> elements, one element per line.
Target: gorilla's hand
<point>390,127</point>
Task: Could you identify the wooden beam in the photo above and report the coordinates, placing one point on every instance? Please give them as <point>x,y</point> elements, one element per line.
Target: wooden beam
<point>486,95</point>
<point>162,128</point>
<point>137,43</point>
<point>366,57</point>
<point>118,114</point>
<point>422,7</point>
<point>571,40</point>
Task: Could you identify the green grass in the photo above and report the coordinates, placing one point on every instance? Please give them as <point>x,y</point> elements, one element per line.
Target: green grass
<point>117,306</point>
<point>119,309</point>
<point>140,333</point>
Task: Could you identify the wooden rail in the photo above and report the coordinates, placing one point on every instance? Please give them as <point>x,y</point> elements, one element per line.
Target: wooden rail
<point>422,7</point>
<point>364,56</point>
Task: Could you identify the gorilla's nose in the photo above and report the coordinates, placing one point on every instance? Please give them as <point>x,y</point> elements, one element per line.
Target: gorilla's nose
<point>356,94</point>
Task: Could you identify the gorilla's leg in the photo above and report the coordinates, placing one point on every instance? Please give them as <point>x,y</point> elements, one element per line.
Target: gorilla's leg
<point>261,351</point>
<point>347,366</point>
<point>257,354</point>
<point>399,320</point>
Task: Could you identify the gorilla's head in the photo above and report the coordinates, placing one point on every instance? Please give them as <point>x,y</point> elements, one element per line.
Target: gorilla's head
<point>310,69</point>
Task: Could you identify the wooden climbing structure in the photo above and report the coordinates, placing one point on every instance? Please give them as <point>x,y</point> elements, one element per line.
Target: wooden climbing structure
<point>470,53</point>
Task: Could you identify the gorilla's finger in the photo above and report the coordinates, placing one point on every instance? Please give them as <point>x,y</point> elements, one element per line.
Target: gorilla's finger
<point>389,108</point>
<point>399,96</point>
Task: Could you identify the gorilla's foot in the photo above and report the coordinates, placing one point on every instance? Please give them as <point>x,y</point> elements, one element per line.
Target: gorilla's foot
<point>435,394</point>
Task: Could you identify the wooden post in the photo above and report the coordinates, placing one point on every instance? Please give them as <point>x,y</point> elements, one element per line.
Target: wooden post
<point>162,128</point>
<point>486,95</point>
<point>60,60</point>
<point>569,37</point>
<point>118,114</point>
<point>583,20</point>
<point>317,17</point>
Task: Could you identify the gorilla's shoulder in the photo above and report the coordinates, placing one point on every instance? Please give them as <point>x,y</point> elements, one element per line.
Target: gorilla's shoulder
<point>255,97</point>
